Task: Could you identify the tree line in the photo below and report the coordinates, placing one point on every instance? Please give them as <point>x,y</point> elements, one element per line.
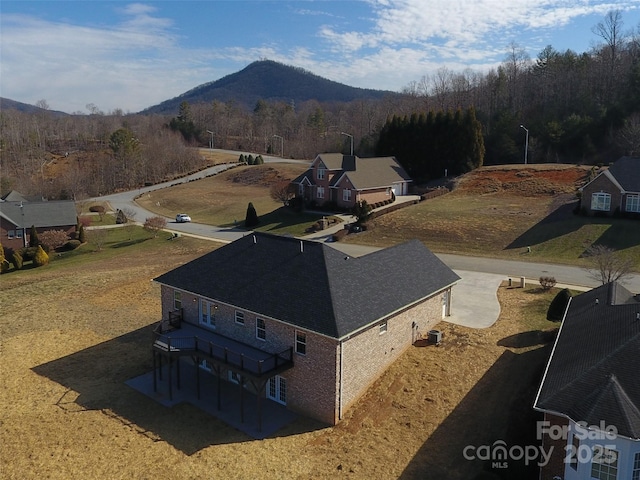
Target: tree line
<point>577,107</point>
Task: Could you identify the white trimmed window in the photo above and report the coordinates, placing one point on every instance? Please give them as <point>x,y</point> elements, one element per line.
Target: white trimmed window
<point>383,328</point>
<point>234,377</point>
<point>604,464</point>
<point>601,202</point>
<point>346,195</point>
<point>320,174</point>
<point>18,233</point>
<point>177,300</point>
<point>11,233</point>
<point>301,343</point>
<point>261,329</point>
<point>239,317</point>
<point>301,189</point>
<point>573,460</point>
<point>633,203</point>
<point>635,473</point>
<point>320,192</point>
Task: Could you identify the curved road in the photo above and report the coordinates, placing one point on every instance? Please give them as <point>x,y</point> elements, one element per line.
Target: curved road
<point>565,275</point>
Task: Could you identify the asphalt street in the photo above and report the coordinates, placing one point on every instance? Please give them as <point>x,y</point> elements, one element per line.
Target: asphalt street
<point>480,276</point>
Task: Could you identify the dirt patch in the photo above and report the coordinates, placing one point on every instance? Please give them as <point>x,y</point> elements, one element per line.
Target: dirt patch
<point>71,338</point>
<point>261,175</point>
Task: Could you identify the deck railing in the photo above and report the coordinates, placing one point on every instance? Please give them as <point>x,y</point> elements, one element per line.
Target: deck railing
<point>189,345</point>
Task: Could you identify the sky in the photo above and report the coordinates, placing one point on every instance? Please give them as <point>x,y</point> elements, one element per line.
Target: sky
<point>132,55</point>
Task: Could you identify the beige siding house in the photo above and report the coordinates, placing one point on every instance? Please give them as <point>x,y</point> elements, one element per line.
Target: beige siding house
<point>298,322</point>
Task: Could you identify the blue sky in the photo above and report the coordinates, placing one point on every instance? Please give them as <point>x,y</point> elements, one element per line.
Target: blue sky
<point>131,55</point>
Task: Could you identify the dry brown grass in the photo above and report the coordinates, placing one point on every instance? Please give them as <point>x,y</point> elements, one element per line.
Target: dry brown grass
<point>71,337</point>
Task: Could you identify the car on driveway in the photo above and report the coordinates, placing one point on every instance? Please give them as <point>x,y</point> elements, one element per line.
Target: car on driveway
<point>182,218</point>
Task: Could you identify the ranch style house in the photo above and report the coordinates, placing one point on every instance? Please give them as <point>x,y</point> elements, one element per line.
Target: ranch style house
<point>296,321</point>
<point>17,215</point>
<point>345,180</point>
<point>590,392</point>
<point>616,190</point>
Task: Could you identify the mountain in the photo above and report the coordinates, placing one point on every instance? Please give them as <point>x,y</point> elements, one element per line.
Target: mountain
<point>271,81</point>
<point>8,104</point>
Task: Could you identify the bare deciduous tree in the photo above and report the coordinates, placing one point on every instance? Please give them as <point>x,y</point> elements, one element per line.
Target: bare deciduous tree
<point>607,265</point>
<point>281,191</point>
<point>154,225</point>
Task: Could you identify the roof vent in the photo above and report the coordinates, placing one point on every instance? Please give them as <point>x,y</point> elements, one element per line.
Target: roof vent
<point>597,301</point>
<point>638,316</point>
<point>255,240</point>
<point>301,247</point>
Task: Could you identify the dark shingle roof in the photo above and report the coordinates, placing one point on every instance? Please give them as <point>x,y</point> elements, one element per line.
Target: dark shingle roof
<point>311,285</point>
<point>592,375</point>
<point>626,170</point>
<point>40,214</point>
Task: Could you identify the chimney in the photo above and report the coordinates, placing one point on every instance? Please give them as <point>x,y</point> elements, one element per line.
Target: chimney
<point>349,163</point>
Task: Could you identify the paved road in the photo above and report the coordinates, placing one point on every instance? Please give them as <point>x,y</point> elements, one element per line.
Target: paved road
<point>467,267</point>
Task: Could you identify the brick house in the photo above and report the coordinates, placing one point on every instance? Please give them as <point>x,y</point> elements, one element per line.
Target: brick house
<point>299,322</point>
<point>17,215</point>
<point>347,179</point>
<point>615,189</point>
<point>590,392</point>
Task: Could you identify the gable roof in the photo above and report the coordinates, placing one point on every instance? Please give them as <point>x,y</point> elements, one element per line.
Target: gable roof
<point>626,170</point>
<point>592,374</point>
<point>311,285</point>
<point>624,174</point>
<point>41,214</point>
<point>375,173</point>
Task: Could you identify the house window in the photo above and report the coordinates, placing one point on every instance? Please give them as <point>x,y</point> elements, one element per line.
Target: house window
<point>604,465</point>
<point>320,192</point>
<point>177,300</point>
<point>301,343</point>
<point>633,203</point>
<point>320,173</point>
<point>346,195</point>
<point>573,460</point>
<point>601,202</point>
<point>301,189</point>
<point>261,329</point>
<point>277,389</point>
<point>383,328</point>
<point>239,317</point>
<point>208,313</point>
<point>18,233</point>
<point>11,234</point>
<point>635,474</point>
<point>234,377</point>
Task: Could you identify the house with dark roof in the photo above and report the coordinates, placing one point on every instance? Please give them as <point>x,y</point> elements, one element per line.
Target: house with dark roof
<point>345,180</point>
<point>590,392</point>
<point>18,215</point>
<point>614,190</point>
<point>296,321</point>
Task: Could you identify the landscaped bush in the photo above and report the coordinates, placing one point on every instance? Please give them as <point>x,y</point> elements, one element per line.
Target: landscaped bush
<point>547,283</point>
<point>41,258</point>
<point>4,263</point>
<point>558,305</point>
<point>71,245</point>
<point>97,209</point>
<point>251,218</point>
<point>82,235</point>
<point>339,235</point>
<point>121,218</point>
<point>34,241</point>
<point>17,260</point>
<point>54,238</point>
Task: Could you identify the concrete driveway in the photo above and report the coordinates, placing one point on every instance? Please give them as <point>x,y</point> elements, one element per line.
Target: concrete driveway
<point>475,299</point>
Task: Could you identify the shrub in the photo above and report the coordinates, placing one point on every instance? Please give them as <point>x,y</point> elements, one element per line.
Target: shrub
<point>41,258</point>
<point>558,305</point>
<point>82,235</point>
<point>339,235</point>
<point>258,160</point>
<point>121,218</point>
<point>547,283</point>
<point>17,260</point>
<point>34,241</point>
<point>97,209</point>
<point>251,218</point>
<point>71,245</point>
<point>4,263</point>
<point>250,160</point>
<point>54,238</point>
<point>154,225</point>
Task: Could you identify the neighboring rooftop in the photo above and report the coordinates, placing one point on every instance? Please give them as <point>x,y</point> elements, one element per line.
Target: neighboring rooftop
<point>312,285</point>
<point>24,214</point>
<point>626,171</point>
<point>592,375</point>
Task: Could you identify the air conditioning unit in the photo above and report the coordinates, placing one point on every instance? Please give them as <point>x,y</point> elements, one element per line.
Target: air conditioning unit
<point>435,336</point>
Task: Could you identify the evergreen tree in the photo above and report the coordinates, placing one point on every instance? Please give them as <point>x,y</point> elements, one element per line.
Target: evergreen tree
<point>251,219</point>
<point>41,258</point>
<point>34,241</point>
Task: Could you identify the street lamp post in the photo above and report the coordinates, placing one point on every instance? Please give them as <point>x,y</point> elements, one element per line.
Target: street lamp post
<point>351,137</point>
<point>281,145</point>
<point>526,143</point>
<point>211,141</point>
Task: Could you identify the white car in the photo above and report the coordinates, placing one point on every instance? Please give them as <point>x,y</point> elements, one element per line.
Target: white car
<point>182,218</point>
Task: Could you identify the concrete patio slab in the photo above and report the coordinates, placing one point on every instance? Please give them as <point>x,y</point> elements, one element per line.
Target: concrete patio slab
<point>475,299</point>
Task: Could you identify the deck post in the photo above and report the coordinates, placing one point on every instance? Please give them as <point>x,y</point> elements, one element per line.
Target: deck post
<point>155,382</point>
<point>178,372</point>
<point>259,412</point>
<point>241,384</point>
<point>170,386</point>
<point>218,389</point>
<point>198,377</point>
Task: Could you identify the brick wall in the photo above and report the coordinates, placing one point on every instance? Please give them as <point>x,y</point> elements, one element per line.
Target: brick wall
<point>375,196</point>
<point>601,184</point>
<point>556,464</point>
<point>367,355</point>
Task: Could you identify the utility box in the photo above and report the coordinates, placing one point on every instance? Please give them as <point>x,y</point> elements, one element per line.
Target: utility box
<point>435,336</point>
